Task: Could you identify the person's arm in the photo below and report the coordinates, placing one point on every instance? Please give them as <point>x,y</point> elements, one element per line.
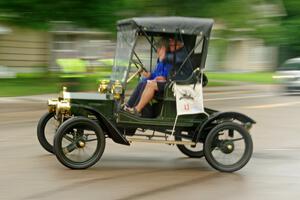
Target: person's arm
<point>161,53</point>
<point>146,74</point>
<point>157,74</point>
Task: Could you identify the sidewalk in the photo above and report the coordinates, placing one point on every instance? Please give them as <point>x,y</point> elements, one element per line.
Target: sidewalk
<point>33,98</point>
<point>242,87</point>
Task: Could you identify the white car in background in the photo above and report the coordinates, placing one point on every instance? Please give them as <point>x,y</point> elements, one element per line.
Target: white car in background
<point>6,72</point>
<point>289,75</point>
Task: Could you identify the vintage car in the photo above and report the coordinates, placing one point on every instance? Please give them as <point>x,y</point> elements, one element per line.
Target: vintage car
<point>84,121</point>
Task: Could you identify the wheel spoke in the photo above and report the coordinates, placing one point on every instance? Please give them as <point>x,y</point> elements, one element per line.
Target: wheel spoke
<point>69,148</point>
<point>90,140</point>
<point>237,139</point>
<point>68,138</point>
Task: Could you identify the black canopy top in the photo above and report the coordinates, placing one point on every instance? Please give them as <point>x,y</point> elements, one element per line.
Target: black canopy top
<point>184,25</point>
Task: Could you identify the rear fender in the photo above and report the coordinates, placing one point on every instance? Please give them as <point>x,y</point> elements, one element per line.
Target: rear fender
<point>203,129</point>
<point>109,127</point>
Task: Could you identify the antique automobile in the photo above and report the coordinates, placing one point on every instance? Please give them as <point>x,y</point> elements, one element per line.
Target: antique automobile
<point>84,121</point>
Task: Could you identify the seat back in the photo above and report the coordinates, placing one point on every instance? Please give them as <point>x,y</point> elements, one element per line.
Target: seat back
<point>196,60</point>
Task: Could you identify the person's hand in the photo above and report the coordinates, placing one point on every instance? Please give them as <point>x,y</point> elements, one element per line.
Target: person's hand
<point>161,53</point>
<point>146,74</point>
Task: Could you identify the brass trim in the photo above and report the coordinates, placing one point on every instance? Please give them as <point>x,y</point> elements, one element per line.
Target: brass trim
<point>63,107</point>
<point>117,90</point>
<point>103,86</point>
<point>52,104</point>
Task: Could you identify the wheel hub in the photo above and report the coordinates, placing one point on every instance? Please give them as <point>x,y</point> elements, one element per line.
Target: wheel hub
<point>80,144</point>
<point>227,147</point>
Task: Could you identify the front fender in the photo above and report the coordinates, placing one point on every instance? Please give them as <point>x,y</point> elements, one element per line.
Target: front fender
<point>110,128</point>
<point>218,116</point>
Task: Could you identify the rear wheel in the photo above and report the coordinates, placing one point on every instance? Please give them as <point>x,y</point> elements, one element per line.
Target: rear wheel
<point>228,147</point>
<point>79,143</point>
<point>46,129</point>
<point>188,150</point>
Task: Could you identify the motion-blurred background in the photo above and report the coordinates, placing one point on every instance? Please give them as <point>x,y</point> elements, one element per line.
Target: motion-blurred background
<point>43,41</point>
<point>40,40</point>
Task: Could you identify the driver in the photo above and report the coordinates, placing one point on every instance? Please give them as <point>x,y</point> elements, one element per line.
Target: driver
<point>156,79</point>
<point>176,55</point>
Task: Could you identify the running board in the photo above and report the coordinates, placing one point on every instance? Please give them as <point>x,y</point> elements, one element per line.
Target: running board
<point>134,139</point>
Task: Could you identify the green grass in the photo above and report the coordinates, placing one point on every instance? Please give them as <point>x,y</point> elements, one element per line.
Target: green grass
<point>256,77</point>
<point>35,84</point>
<point>217,84</point>
<point>28,86</point>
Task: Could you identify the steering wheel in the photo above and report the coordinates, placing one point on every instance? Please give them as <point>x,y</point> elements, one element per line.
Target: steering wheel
<point>139,65</point>
<point>140,68</point>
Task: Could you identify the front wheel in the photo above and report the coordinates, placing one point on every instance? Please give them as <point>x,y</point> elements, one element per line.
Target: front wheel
<point>228,147</point>
<point>46,129</point>
<point>79,143</point>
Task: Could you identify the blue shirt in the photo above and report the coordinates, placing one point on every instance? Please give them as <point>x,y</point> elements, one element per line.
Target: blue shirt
<point>161,69</point>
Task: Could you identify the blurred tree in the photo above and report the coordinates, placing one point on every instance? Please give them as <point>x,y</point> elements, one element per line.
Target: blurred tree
<point>233,13</point>
<point>103,13</point>
<point>289,34</point>
<point>282,30</point>
<point>276,21</point>
<point>38,13</point>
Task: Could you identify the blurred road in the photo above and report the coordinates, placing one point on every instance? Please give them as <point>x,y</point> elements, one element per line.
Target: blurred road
<point>153,171</point>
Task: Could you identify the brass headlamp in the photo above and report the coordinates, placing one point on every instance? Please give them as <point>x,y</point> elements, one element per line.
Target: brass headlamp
<point>52,103</point>
<point>103,86</point>
<point>117,89</point>
<point>63,107</point>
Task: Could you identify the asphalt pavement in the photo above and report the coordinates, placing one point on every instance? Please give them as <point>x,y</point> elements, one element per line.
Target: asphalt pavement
<point>155,171</point>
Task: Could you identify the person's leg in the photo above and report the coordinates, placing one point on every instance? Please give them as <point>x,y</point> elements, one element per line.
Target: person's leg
<point>147,95</point>
<point>142,88</point>
<point>136,95</point>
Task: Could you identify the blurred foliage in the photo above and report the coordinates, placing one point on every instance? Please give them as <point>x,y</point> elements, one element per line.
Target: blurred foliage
<point>290,28</point>
<point>275,21</point>
<point>38,13</point>
<point>282,30</point>
<point>104,14</point>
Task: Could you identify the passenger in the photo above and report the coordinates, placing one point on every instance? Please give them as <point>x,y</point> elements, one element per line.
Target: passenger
<point>175,58</point>
<point>157,79</point>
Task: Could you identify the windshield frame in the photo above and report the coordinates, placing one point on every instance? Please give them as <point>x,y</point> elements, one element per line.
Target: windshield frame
<point>123,56</point>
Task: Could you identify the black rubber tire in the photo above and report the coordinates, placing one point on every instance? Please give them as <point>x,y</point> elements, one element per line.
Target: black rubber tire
<point>47,145</point>
<point>245,157</point>
<point>192,154</point>
<point>79,121</point>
